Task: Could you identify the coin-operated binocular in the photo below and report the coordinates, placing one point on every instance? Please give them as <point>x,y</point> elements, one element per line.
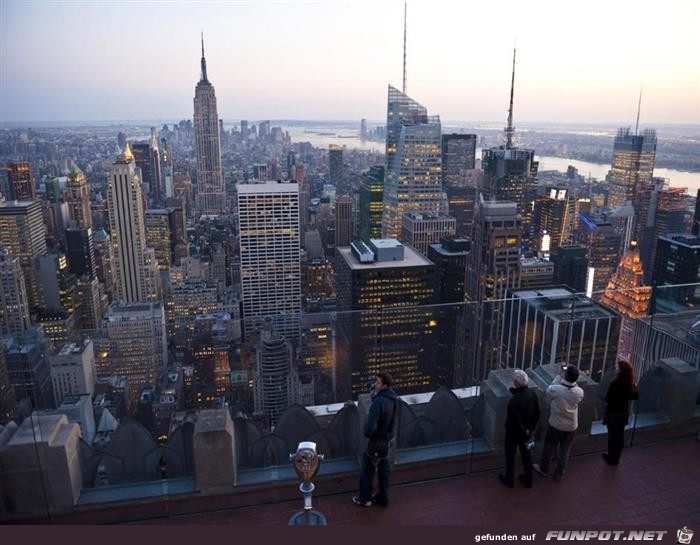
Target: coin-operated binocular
<point>307,463</point>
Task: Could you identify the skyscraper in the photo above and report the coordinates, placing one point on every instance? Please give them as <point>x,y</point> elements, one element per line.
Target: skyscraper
<point>458,156</point>
<point>147,158</point>
<point>211,192</point>
<point>20,181</point>
<point>78,198</point>
<point>158,236</point>
<point>510,172</point>
<point>335,165</point>
<point>7,391</point>
<point>275,378</point>
<point>450,258</point>
<point>52,184</point>
<point>343,221</point>
<point>669,218</point>
<point>104,259</point>
<point>551,215</point>
<point>493,268</point>
<point>394,331</point>
<point>73,370</point>
<point>603,246</point>
<point>92,303</point>
<point>554,325</point>
<point>28,368</point>
<point>628,296</point>
<point>57,285</point>
<point>536,272</point>
<point>184,303</point>
<point>570,267</point>
<point>80,251</point>
<point>14,306</point>
<point>23,233</point>
<point>420,230</point>
<point>318,354</point>
<point>413,179</point>
<point>260,172</point>
<point>371,203</point>
<point>676,273</point>
<point>632,164</point>
<point>268,223</point>
<point>127,231</point>
<point>135,343</point>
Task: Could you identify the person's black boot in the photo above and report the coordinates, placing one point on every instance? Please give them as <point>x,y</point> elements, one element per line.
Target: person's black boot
<point>504,481</point>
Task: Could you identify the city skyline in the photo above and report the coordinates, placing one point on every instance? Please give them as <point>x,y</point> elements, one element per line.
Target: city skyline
<point>267,74</point>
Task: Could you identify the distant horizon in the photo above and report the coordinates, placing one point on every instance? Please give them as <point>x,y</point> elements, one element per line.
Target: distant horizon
<point>328,121</point>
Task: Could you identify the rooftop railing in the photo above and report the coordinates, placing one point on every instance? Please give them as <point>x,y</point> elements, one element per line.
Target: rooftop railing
<point>219,414</point>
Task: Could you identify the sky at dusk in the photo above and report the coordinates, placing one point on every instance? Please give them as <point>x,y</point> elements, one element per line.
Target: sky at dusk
<point>578,62</point>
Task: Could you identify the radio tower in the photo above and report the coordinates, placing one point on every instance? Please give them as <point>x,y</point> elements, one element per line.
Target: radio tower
<point>639,108</point>
<point>404,48</point>
<point>510,130</point>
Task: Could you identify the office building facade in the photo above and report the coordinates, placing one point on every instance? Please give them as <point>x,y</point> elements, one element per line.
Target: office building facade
<point>385,285</point>
<point>421,229</point>
<point>268,223</point>
<point>23,233</point>
<point>493,269</point>
<point>127,232</point>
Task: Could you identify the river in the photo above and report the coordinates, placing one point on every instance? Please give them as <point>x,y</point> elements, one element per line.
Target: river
<point>342,136</point>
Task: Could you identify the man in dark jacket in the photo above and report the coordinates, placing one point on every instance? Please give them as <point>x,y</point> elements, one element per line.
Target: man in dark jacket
<point>521,419</point>
<point>379,430</point>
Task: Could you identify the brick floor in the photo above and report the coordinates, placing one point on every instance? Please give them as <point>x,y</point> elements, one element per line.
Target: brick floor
<point>655,484</point>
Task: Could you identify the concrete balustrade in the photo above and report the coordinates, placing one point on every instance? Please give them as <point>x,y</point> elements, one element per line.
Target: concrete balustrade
<point>41,469</point>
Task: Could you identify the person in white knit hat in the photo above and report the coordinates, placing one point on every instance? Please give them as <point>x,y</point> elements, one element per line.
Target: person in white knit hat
<point>521,419</point>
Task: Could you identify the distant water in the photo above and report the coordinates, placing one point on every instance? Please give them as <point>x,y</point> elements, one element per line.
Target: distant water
<point>323,136</point>
<point>689,180</point>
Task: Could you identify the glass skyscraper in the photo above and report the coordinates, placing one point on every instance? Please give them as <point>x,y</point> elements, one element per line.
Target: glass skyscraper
<point>632,163</point>
<point>413,162</point>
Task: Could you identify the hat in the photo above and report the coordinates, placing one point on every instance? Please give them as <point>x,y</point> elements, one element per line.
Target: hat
<point>571,373</point>
<point>520,378</point>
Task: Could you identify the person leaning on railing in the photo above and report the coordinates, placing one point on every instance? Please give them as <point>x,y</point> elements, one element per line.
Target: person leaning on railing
<point>621,391</point>
<point>565,395</point>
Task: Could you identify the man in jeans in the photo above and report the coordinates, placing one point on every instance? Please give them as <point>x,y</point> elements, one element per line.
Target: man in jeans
<point>566,396</point>
<point>380,428</point>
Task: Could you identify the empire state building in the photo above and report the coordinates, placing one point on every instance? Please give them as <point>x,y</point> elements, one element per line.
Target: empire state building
<point>211,193</point>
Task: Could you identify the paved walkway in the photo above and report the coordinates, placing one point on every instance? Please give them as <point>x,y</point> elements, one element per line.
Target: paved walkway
<point>655,484</point>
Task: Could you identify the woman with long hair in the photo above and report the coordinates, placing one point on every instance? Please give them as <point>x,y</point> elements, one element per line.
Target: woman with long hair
<point>621,391</point>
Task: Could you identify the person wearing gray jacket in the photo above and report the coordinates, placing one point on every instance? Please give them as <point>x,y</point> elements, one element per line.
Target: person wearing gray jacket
<point>565,395</point>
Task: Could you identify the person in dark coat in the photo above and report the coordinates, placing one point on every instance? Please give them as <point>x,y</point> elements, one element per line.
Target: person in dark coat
<point>621,391</point>
<point>379,430</point>
<point>521,419</point>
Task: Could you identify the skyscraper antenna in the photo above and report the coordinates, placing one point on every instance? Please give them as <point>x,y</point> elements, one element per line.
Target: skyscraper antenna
<point>639,108</point>
<point>510,130</point>
<point>203,62</point>
<point>404,46</point>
